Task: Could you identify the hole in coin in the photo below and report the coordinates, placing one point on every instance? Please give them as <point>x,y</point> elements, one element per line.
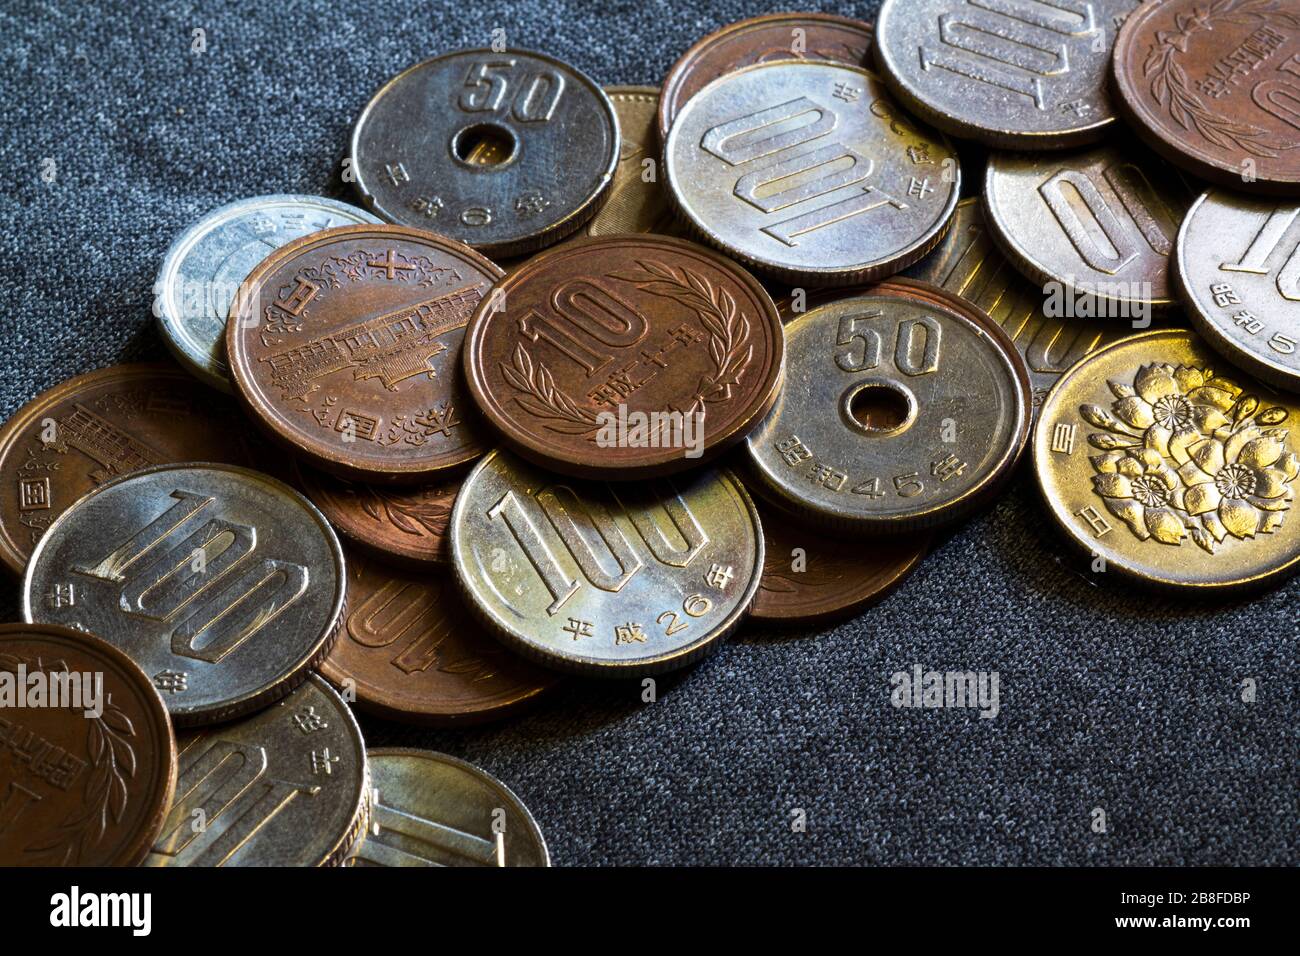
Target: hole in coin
<point>877,407</point>
<point>484,144</point>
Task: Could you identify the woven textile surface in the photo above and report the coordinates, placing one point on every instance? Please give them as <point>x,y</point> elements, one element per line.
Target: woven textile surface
<point>1109,697</point>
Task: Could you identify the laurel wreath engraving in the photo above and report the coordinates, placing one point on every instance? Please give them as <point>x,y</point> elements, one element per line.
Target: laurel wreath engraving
<point>1172,89</point>
<point>544,399</point>
<point>729,349</point>
<point>112,761</point>
<point>418,518</point>
<point>1186,453</point>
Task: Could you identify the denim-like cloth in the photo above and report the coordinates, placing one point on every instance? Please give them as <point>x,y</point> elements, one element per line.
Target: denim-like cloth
<point>1109,698</point>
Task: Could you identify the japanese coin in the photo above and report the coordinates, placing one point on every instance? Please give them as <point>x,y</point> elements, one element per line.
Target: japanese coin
<point>608,580</point>
<point>969,264</point>
<point>344,346</point>
<point>413,653</point>
<point>625,356</point>
<point>809,172</point>
<point>435,810</point>
<point>87,756</point>
<point>97,426</point>
<point>777,36</point>
<point>1172,473</point>
<point>205,265</point>
<point>223,584</point>
<point>286,786</point>
<point>1095,227</point>
<point>420,161</point>
<point>1015,74</point>
<point>1237,269</point>
<point>405,525</point>
<point>904,407</point>
<point>808,578</point>
<point>635,205</point>
<point>1215,88</point>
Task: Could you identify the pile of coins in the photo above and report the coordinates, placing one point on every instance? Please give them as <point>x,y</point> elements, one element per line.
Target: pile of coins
<point>507,423</point>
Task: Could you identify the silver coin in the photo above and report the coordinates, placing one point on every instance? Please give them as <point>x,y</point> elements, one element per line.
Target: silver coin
<point>505,152</point>
<point>968,263</point>
<point>1094,227</point>
<point>612,581</point>
<point>204,267</point>
<point>1016,74</point>
<point>904,407</point>
<point>1237,270</point>
<point>433,810</point>
<point>223,584</point>
<point>810,172</point>
<point>287,786</point>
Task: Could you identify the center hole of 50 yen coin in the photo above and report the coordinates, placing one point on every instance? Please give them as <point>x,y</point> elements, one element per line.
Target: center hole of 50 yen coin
<point>485,145</point>
<point>879,407</point>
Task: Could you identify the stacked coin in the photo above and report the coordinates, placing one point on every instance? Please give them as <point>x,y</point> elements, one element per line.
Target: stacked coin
<point>545,465</point>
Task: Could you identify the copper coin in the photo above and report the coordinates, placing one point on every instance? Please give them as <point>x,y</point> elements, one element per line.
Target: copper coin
<point>344,346</point>
<point>777,36</point>
<point>413,653</point>
<point>625,356</point>
<point>403,525</point>
<point>1215,88</point>
<point>88,767</point>
<point>92,428</point>
<point>809,578</point>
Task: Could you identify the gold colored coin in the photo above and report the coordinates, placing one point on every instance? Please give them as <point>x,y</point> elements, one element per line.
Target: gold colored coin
<point>638,201</point>
<point>1170,468</point>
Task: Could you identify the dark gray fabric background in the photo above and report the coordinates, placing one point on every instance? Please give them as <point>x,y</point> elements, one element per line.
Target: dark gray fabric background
<point>1109,698</point>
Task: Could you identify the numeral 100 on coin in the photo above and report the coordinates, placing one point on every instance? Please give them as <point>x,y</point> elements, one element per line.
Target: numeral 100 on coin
<point>594,540</point>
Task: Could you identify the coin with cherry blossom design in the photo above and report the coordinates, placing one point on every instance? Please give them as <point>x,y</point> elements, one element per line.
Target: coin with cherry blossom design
<point>1171,468</point>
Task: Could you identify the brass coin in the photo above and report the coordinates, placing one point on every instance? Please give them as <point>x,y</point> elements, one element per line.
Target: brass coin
<point>808,171</point>
<point>1015,74</point>
<point>110,422</point>
<point>1174,470</point>
<point>412,652</point>
<point>1214,87</point>
<point>1237,270</point>
<point>344,347</point>
<point>809,578</point>
<point>904,407</point>
<point>610,580</point>
<point>968,263</point>
<point>285,787</point>
<point>776,36</point>
<point>1094,226</point>
<point>434,810</point>
<point>223,584</point>
<point>635,204</point>
<point>406,525</point>
<point>87,770</point>
<point>420,161</point>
